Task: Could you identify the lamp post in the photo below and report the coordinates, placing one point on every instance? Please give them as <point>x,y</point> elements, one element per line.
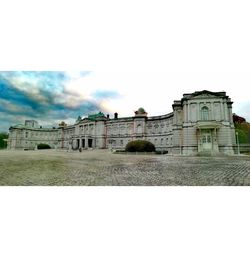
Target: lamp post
<point>237,139</point>
<point>180,145</point>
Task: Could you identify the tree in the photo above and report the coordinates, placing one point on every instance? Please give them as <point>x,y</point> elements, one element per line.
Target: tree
<point>243,130</point>
<point>238,119</point>
<point>3,137</point>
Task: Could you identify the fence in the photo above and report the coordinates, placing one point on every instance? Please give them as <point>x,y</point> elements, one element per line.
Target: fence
<point>244,148</point>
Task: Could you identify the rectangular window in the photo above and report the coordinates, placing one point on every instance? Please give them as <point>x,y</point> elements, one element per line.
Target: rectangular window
<point>204,113</point>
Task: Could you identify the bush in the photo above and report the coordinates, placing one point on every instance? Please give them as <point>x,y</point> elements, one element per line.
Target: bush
<point>161,152</point>
<point>43,146</point>
<point>140,146</point>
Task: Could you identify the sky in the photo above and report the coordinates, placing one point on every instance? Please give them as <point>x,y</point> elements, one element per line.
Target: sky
<point>53,96</point>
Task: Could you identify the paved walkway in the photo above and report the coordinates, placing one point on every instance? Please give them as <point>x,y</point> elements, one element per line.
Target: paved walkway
<point>102,168</point>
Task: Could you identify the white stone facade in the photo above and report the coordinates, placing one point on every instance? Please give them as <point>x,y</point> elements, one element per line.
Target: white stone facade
<point>201,123</point>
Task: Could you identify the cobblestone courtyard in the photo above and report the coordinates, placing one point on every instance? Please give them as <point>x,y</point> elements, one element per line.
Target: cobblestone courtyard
<point>102,168</point>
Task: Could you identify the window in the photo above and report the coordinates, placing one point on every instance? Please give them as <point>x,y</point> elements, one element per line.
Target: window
<point>204,113</point>
<point>139,128</point>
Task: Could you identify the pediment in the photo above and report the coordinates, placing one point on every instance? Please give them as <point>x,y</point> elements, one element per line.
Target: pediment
<point>204,95</point>
<point>207,94</point>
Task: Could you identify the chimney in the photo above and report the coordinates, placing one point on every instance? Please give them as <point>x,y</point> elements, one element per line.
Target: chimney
<point>116,115</point>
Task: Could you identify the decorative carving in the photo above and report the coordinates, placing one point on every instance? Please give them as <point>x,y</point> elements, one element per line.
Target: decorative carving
<point>204,95</point>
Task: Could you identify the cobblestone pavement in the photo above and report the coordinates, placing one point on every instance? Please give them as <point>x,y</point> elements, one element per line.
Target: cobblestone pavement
<point>102,168</point>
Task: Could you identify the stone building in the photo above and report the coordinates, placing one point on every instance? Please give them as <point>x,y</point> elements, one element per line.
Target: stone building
<point>201,123</point>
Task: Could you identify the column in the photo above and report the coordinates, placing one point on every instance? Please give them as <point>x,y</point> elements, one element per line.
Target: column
<point>222,111</point>
<point>74,143</point>
<point>86,142</point>
<point>197,111</point>
<point>212,111</point>
<point>231,115</point>
<point>226,111</point>
<point>185,112</point>
<point>188,112</point>
<point>216,147</point>
<point>212,137</point>
<point>80,144</point>
<point>198,139</point>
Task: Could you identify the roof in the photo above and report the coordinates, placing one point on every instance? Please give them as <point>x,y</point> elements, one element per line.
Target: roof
<point>21,126</point>
<point>96,116</point>
<point>204,92</point>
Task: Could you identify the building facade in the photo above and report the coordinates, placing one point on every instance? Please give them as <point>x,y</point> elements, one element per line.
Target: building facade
<point>201,123</point>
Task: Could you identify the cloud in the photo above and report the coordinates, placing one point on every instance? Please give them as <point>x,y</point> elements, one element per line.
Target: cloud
<point>105,94</point>
<point>242,109</point>
<point>47,97</point>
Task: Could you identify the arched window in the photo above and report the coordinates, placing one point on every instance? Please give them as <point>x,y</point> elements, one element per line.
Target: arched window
<point>204,113</point>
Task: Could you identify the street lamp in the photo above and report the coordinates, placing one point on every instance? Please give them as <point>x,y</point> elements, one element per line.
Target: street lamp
<point>237,139</point>
<point>180,145</point>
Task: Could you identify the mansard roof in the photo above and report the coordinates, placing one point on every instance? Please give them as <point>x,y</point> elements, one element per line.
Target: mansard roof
<point>96,117</point>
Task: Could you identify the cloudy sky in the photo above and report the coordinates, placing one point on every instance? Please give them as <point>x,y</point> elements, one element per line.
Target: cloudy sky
<point>52,96</point>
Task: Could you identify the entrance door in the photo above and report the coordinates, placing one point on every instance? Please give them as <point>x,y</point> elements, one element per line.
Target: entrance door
<point>206,140</point>
<point>90,141</point>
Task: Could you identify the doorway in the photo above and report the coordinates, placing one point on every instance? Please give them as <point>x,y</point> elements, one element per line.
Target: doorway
<point>90,141</point>
<point>206,140</point>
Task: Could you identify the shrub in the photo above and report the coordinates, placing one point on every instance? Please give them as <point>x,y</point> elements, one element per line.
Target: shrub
<point>43,146</point>
<point>161,152</point>
<point>140,146</point>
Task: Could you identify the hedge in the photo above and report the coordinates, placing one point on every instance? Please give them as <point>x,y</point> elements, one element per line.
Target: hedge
<point>140,146</point>
<point>43,146</point>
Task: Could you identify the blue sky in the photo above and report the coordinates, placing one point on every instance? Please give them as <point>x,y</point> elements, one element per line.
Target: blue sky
<point>54,96</point>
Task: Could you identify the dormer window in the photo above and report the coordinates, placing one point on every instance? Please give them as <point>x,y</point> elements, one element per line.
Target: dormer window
<point>204,113</point>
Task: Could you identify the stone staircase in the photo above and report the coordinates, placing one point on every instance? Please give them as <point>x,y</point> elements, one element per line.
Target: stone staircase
<point>209,153</point>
